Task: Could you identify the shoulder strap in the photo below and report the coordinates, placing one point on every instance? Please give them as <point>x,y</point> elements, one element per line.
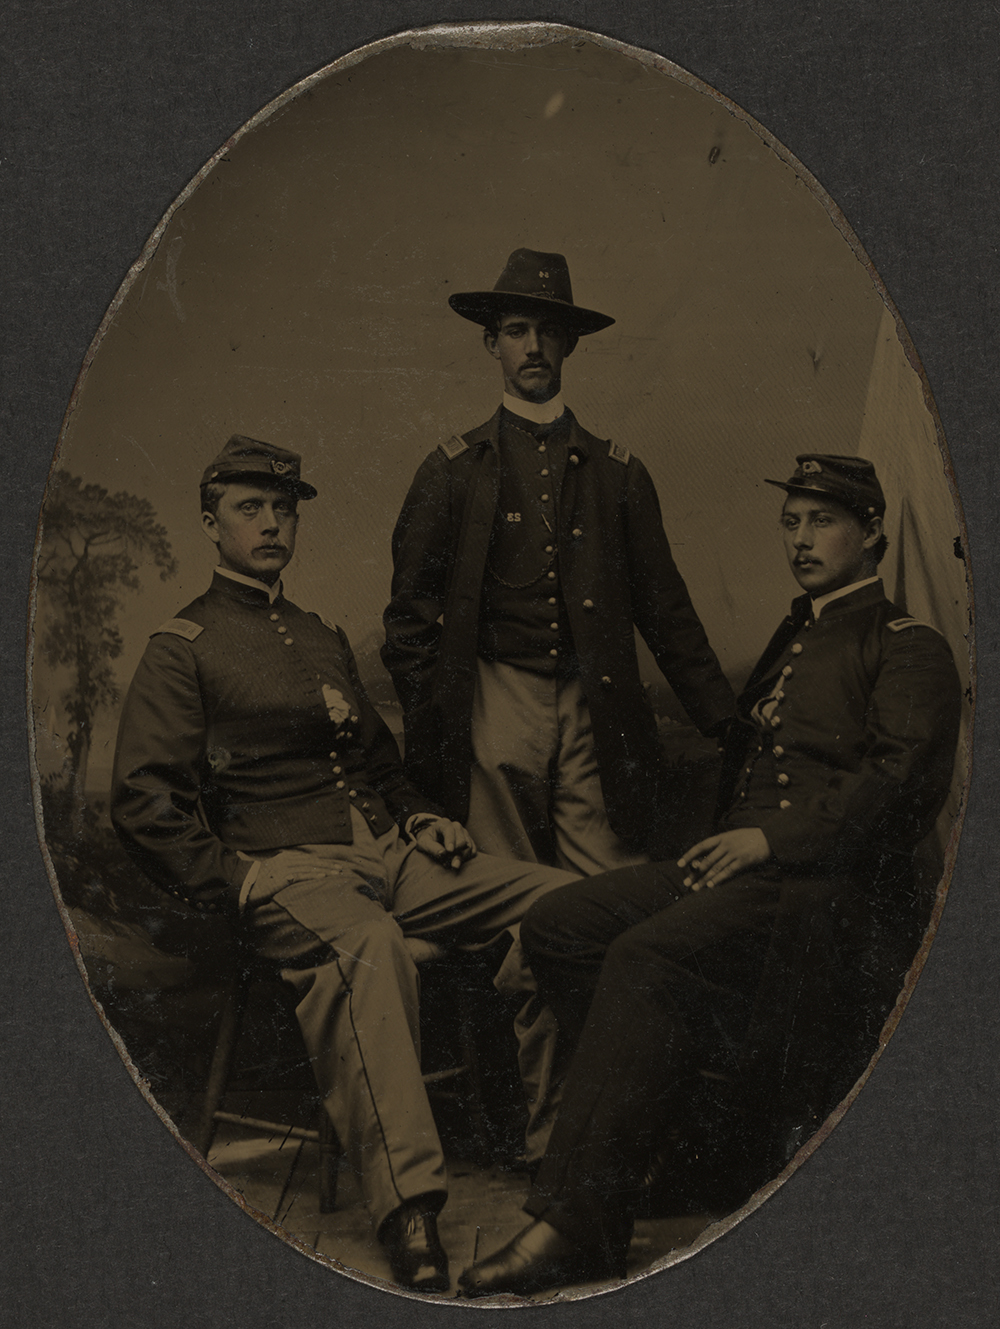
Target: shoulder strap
<point>180,627</point>
<point>453,447</point>
<point>900,625</point>
<point>618,452</point>
<point>325,621</point>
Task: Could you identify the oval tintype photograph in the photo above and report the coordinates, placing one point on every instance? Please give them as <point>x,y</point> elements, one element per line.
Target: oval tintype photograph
<point>501,665</point>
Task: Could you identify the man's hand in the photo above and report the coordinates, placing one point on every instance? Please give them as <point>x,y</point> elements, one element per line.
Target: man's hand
<point>447,842</point>
<point>723,856</point>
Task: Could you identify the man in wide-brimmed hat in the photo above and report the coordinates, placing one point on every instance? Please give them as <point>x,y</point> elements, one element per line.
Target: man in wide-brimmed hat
<point>525,552</point>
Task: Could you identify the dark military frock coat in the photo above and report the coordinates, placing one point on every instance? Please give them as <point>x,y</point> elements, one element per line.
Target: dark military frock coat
<point>247,728</point>
<point>616,570</point>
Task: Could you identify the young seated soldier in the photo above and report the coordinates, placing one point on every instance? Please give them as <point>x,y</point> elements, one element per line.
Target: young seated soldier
<point>253,776</point>
<point>848,735</point>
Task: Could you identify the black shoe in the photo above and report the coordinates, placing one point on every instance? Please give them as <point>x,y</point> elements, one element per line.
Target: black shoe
<point>539,1257</point>
<point>411,1241</point>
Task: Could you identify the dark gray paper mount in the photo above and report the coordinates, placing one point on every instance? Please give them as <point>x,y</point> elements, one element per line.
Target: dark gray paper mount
<point>889,1222</point>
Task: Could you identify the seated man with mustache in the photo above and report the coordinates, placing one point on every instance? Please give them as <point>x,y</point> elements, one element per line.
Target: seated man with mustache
<point>844,758</point>
<point>254,777</point>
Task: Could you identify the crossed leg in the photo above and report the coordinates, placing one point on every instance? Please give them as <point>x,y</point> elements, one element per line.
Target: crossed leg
<point>336,918</point>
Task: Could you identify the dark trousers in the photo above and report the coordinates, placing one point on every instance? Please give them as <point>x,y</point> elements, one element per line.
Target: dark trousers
<point>649,982</point>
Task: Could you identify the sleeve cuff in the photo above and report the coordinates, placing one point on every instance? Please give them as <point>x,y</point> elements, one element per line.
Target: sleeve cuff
<point>247,884</point>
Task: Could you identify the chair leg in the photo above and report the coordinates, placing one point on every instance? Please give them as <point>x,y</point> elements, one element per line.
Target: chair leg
<point>329,1161</point>
<point>221,1064</point>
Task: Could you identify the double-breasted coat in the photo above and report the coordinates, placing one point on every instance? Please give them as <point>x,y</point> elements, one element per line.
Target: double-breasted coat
<point>780,977</point>
<point>616,572</point>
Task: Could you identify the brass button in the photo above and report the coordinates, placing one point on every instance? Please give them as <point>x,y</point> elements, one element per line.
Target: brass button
<point>574,459</point>
<point>796,648</point>
<point>588,604</point>
<point>548,549</point>
<point>274,618</point>
<point>784,804</point>
<point>779,695</point>
<point>552,599</point>
<point>545,498</point>
<point>775,721</point>
<point>541,447</point>
<point>787,671</point>
<point>778,752</point>
<point>352,793</point>
<point>354,719</point>
<point>553,652</point>
<point>288,641</point>
<point>551,576</point>
<point>338,770</point>
<point>605,681</point>
<point>282,628</point>
<point>577,532</point>
<point>782,778</point>
<point>545,471</point>
<point>333,756</point>
<point>340,784</point>
<point>554,627</point>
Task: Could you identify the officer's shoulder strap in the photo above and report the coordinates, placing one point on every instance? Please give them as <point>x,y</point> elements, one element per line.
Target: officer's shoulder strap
<point>180,627</point>
<point>901,624</point>
<point>327,623</point>
<point>453,447</point>
<point>618,452</point>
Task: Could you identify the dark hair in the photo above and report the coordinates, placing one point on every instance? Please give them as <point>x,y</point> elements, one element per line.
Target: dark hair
<point>878,549</point>
<point>569,325</point>
<point>212,493</point>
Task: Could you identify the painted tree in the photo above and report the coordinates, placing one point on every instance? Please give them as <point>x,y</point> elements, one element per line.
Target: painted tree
<point>92,548</point>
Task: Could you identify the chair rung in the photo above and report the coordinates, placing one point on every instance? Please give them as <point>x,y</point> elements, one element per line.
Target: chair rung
<point>272,1127</point>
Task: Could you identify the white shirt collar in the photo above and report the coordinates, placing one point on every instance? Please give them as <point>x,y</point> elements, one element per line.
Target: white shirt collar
<point>272,591</point>
<point>538,412</point>
<point>821,601</point>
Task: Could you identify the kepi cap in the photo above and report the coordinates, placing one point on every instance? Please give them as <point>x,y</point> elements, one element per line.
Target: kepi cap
<point>249,459</point>
<point>851,481</point>
<point>532,280</point>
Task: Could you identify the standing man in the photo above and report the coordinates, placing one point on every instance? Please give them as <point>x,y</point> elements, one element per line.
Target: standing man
<point>254,777</point>
<point>846,749</point>
<point>525,552</point>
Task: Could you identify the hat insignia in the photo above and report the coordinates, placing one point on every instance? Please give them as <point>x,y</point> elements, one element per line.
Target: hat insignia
<point>811,468</point>
<point>280,467</point>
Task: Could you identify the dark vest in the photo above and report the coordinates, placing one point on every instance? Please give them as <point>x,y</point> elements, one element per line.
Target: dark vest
<point>523,619</point>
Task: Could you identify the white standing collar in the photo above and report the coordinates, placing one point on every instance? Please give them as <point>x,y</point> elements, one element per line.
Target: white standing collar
<point>821,601</point>
<point>272,591</point>
<point>538,412</point>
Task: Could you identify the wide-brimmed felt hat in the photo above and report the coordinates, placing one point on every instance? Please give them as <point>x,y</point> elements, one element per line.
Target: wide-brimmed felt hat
<point>850,480</point>
<point>249,459</point>
<point>531,280</point>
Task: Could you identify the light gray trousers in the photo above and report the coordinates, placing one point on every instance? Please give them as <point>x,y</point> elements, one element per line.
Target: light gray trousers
<point>336,918</point>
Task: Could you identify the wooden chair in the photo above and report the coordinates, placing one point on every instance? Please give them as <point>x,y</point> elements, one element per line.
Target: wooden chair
<point>251,970</point>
